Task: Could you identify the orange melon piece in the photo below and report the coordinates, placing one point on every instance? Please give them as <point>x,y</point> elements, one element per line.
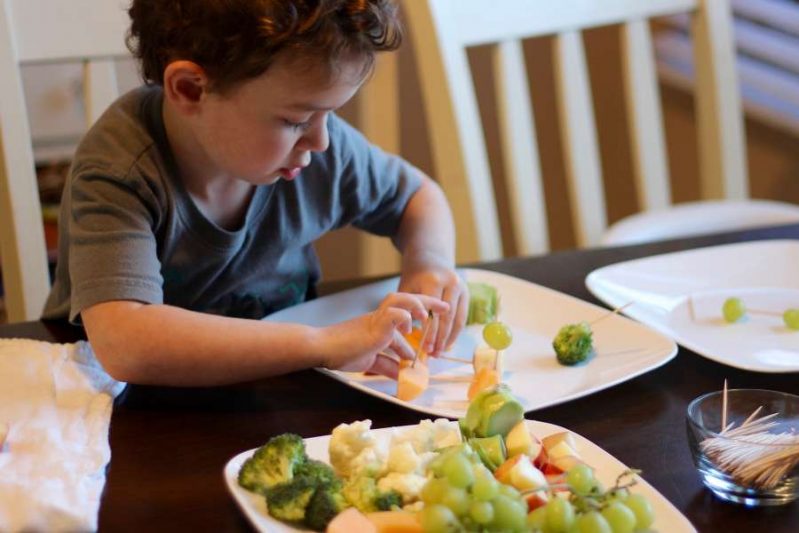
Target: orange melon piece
<point>483,379</point>
<point>412,380</point>
<point>414,338</point>
<point>351,520</point>
<point>394,521</point>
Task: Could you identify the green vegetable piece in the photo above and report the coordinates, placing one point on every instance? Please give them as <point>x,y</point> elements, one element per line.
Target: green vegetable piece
<point>273,463</point>
<point>574,344</point>
<point>322,472</point>
<point>289,500</point>
<point>492,412</point>
<point>386,501</point>
<point>483,301</point>
<point>491,450</point>
<point>325,504</point>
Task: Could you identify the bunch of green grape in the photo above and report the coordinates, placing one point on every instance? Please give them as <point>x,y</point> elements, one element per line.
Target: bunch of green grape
<point>587,508</point>
<point>463,495</point>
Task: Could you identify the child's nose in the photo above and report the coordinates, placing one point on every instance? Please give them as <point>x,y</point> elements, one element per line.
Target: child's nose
<point>316,138</point>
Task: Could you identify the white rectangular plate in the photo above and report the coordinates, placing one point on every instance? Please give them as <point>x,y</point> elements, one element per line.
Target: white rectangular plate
<point>625,349</point>
<point>681,295</point>
<point>606,468</point>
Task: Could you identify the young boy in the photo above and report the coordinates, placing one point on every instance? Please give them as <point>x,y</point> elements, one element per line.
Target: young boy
<point>193,203</point>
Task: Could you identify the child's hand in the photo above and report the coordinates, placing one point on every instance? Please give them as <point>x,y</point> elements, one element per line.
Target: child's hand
<point>439,281</point>
<point>355,345</point>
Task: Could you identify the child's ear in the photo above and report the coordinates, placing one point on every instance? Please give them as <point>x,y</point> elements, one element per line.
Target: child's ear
<point>185,84</point>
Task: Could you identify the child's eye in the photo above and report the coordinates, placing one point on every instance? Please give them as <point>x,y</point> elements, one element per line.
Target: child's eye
<point>297,125</point>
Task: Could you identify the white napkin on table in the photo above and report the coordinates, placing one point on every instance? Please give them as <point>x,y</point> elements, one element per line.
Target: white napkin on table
<point>55,402</point>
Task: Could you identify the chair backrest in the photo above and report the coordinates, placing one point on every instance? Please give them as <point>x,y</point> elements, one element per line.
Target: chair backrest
<point>443,30</point>
<point>35,31</point>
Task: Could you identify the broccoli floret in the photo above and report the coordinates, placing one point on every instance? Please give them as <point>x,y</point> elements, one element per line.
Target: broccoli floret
<point>362,493</point>
<point>322,472</point>
<point>273,463</point>
<point>325,504</point>
<point>574,344</point>
<point>386,501</point>
<point>289,500</point>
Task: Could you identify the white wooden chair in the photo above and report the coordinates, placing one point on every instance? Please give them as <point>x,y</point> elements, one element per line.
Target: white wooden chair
<point>442,30</point>
<point>44,31</point>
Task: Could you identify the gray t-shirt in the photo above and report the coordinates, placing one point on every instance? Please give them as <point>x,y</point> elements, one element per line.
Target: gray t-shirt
<point>129,230</point>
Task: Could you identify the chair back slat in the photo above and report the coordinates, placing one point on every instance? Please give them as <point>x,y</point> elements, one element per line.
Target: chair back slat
<point>34,31</point>
<point>645,117</point>
<point>578,130</point>
<point>520,149</point>
<point>379,120</point>
<point>22,249</point>
<point>722,159</point>
<point>476,22</point>
<point>459,152</point>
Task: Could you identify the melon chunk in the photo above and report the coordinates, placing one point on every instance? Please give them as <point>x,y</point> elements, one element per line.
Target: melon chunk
<point>351,520</point>
<point>393,522</point>
<point>412,380</point>
<point>484,379</point>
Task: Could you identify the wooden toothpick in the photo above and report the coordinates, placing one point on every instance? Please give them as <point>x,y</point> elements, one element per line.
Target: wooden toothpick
<point>610,313</point>
<point>425,331</point>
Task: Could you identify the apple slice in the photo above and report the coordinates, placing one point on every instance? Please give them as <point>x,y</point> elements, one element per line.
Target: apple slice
<point>520,440</point>
<point>536,499</point>
<point>520,473</point>
<point>553,440</point>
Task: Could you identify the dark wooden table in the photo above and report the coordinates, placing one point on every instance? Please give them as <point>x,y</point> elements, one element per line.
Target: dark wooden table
<point>169,445</point>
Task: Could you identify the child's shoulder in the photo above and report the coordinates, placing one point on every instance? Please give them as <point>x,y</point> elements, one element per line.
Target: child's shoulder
<point>124,136</point>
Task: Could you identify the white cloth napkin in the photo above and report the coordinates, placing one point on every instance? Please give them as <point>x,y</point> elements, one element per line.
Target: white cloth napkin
<point>55,401</point>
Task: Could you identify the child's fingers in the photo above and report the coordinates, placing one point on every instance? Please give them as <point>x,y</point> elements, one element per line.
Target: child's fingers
<point>459,321</point>
<point>401,347</point>
<point>385,366</point>
<point>417,304</point>
<point>394,319</point>
<point>451,295</point>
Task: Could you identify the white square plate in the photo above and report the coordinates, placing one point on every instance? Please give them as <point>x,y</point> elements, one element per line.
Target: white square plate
<point>681,295</point>
<point>606,467</point>
<point>625,349</point>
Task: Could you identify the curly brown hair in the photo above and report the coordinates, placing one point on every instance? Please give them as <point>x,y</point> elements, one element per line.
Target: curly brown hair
<point>237,40</point>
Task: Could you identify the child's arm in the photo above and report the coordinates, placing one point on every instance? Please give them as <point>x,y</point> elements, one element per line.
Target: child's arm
<point>167,345</point>
<point>426,239</point>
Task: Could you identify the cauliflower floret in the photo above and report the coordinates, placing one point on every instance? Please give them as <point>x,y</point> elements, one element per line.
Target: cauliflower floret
<point>408,485</point>
<point>429,435</point>
<point>370,462</point>
<point>403,459</point>
<point>353,449</point>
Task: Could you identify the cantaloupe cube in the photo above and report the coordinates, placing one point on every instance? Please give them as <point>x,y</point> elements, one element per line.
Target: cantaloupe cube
<point>351,521</point>
<point>412,380</point>
<point>395,522</point>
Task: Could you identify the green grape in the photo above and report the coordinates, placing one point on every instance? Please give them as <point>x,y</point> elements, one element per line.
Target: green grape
<point>618,495</point>
<point>457,500</point>
<point>592,522</point>
<point>560,514</point>
<point>620,517</point>
<point>642,509</point>
<point>581,478</point>
<point>497,335</point>
<point>481,512</point>
<point>438,519</point>
<point>791,318</point>
<point>510,492</point>
<point>733,310</point>
<point>434,491</point>
<point>509,514</point>
<point>537,519</point>
<point>485,487</point>
<point>458,470</point>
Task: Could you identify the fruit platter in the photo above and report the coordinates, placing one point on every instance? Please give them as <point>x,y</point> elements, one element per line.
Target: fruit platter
<point>491,470</point>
